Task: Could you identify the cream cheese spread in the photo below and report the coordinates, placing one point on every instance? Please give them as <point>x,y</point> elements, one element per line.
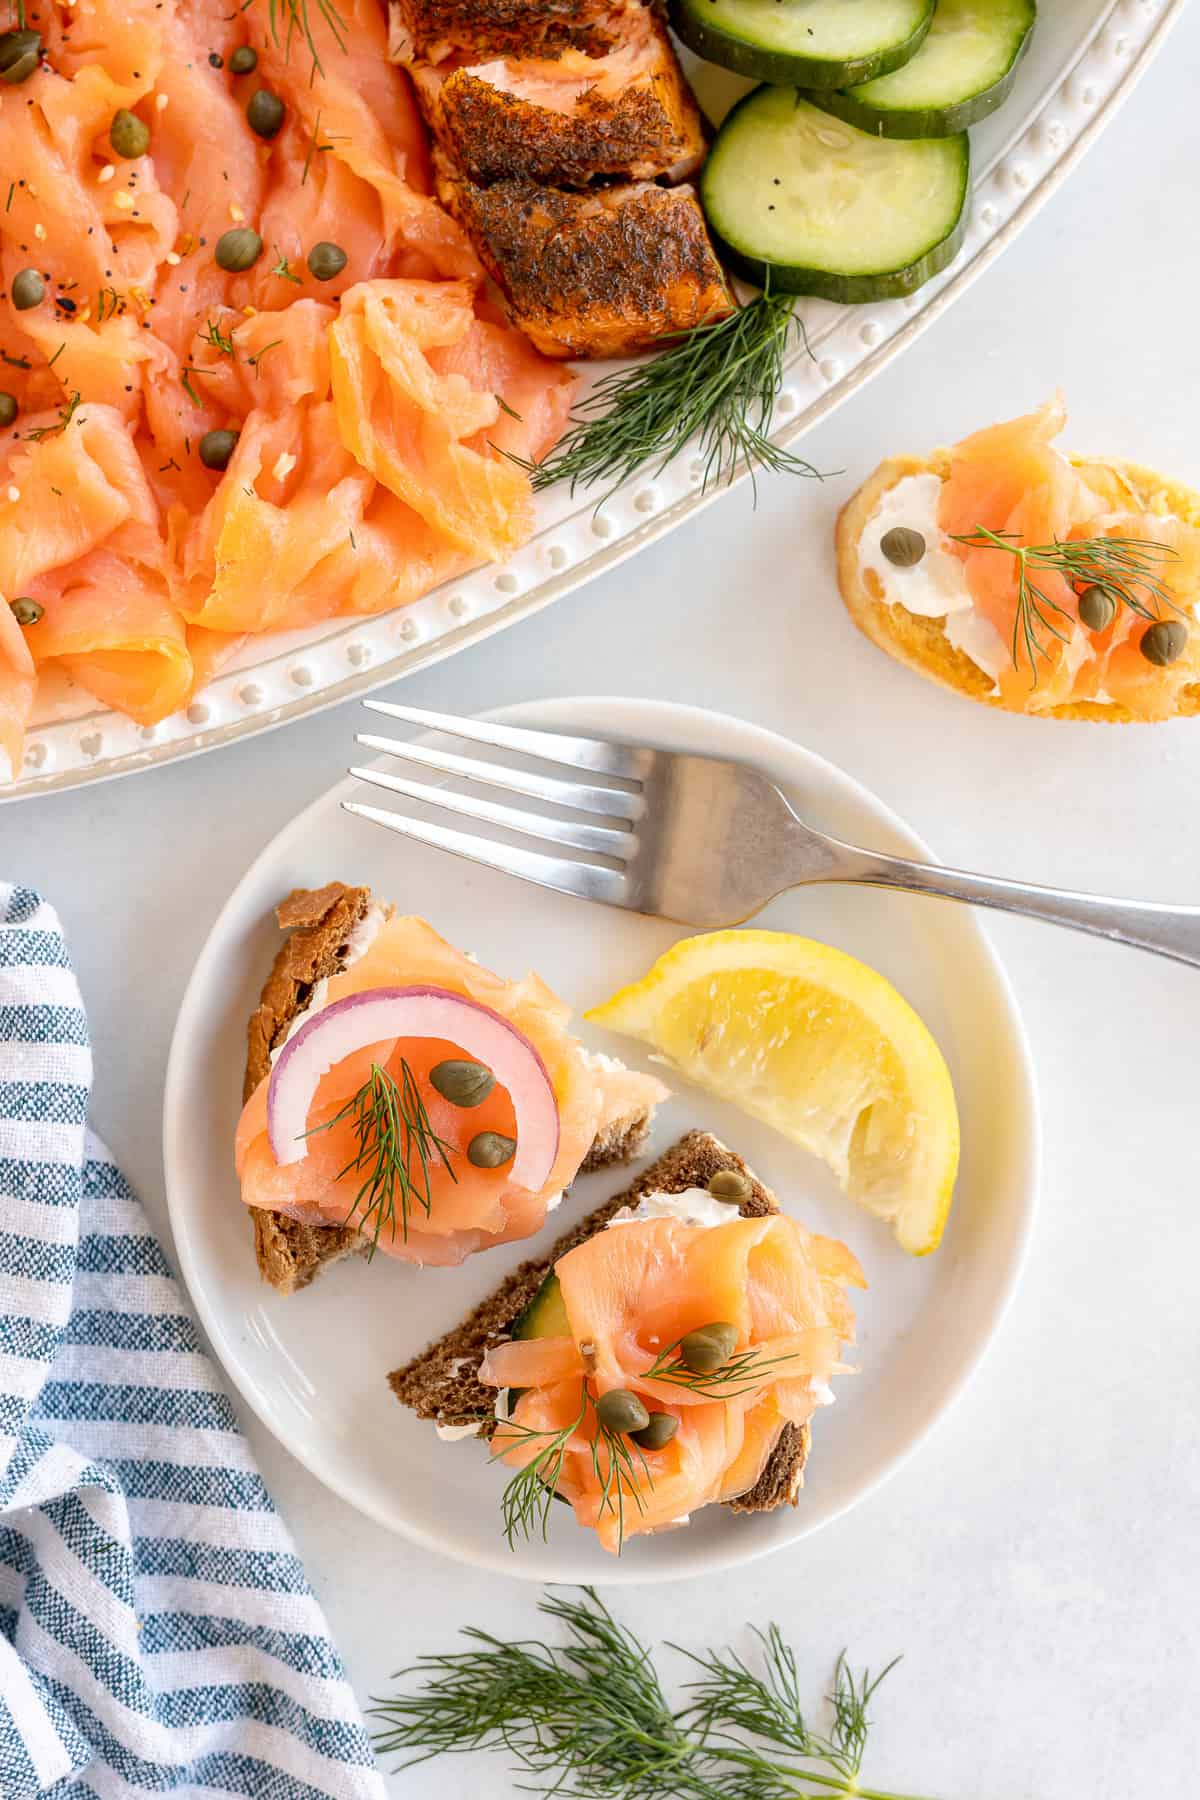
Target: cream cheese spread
<point>692,1206</point>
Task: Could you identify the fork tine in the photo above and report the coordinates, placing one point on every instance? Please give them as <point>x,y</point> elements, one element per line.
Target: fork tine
<point>612,803</point>
<point>605,839</point>
<point>584,880</point>
<point>577,753</point>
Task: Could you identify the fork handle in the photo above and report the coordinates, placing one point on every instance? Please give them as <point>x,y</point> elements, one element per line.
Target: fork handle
<point>1172,931</point>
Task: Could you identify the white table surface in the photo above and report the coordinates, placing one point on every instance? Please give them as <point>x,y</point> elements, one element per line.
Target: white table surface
<point>1038,1562</point>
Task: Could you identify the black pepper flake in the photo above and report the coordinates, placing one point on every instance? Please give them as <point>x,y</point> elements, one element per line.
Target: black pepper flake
<point>215,60</point>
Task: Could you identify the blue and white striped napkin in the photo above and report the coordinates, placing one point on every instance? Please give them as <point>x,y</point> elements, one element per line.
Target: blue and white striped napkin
<point>156,1629</point>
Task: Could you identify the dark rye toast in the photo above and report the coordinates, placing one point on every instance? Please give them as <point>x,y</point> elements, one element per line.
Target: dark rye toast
<point>442,1384</point>
<point>319,923</point>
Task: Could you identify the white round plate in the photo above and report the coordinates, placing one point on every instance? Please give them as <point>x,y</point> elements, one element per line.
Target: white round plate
<point>1084,59</point>
<point>314,1366</point>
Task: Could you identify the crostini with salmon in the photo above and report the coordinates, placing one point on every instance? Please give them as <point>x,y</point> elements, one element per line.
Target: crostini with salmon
<point>1041,583</point>
<point>400,1098</point>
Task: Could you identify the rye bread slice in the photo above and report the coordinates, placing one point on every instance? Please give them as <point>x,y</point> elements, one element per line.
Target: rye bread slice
<point>318,923</point>
<point>443,1386</point>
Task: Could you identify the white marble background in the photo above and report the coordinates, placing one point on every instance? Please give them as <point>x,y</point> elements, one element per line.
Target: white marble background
<point>1039,1560</point>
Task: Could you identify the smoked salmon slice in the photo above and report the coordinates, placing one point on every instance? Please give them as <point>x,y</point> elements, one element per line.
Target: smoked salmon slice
<point>631,1293</point>
<point>471,1208</point>
<point>374,453</point>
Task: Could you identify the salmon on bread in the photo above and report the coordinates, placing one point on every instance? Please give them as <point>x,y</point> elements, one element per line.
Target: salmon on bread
<point>758,1450</point>
<point>341,944</point>
<point>598,274</point>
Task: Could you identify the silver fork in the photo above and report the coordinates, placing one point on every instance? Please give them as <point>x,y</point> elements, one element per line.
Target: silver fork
<point>694,839</point>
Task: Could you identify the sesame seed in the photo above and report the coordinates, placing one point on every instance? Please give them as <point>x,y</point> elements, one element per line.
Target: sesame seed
<point>161,102</point>
<point>39,231</point>
<point>106,173</point>
<point>123,200</point>
<point>236,213</point>
<point>14,494</point>
<point>172,257</point>
<point>284,464</point>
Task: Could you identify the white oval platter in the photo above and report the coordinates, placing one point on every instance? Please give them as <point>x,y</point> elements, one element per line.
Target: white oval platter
<point>1085,58</point>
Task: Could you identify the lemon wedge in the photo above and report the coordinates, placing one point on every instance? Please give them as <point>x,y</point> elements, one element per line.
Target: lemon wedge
<point>821,1047</point>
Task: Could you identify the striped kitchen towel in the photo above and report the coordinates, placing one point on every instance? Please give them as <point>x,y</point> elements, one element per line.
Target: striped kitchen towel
<point>156,1629</point>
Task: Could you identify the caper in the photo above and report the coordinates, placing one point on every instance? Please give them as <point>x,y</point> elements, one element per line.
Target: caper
<point>19,53</point>
<point>27,289</point>
<point>1097,608</point>
<point>264,114</point>
<point>129,135</point>
<point>325,261</point>
<point>491,1150</point>
<point>26,610</point>
<point>462,1083</point>
<point>243,61</point>
<point>238,249</point>
<point>619,1410</point>
<point>730,1184</point>
<point>8,409</point>
<point>708,1348</point>
<point>216,448</point>
<point>1164,642</point>
<point>658,1433</point>
<point>902,546</point>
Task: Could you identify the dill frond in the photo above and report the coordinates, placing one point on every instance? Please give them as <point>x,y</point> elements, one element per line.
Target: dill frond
<point>716,382</point>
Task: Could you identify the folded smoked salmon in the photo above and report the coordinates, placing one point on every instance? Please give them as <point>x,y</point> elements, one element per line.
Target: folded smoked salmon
<point>667,1354</point>
<point>250,379</point>
<point>399,1097</point>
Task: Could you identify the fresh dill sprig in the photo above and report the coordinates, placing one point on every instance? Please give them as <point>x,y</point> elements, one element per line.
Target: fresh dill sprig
<point>717,381</point>
<point>1126,569</point>
<point>743,1372</point>
<point>313,145</point>
<point>185,382</point>
<point>397,1147</point>
<point>526,1501</point>
<point>297,19</point>
<point>590,1717</point>
<point>283,271</point>
<point>66,414</point>
<point>220,341</point>
<point>256,359</point>
<point>109,304</point>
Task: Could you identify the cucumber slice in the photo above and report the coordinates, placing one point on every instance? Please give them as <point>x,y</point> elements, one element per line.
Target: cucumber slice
<point>546,1315</point>
<point>963,71</point>
<point>804,43</point>
<point>815,206</point>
